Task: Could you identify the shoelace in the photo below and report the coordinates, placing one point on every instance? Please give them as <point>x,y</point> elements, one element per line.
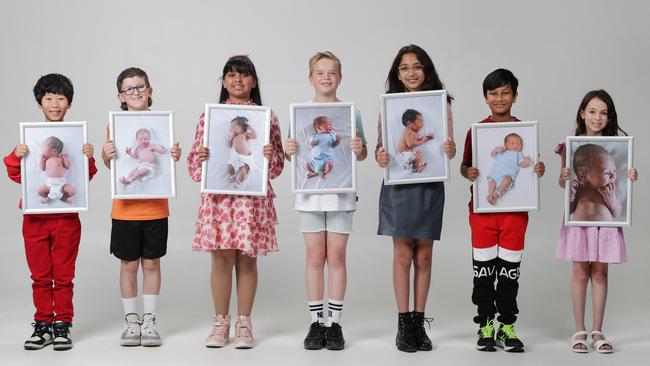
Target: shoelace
<point>40,329</point>
<point>219,327</point>
<point>509,330</point>
<point>487,331</point>
<point>244,329</point>
<point>61,331</point>
<point>147,324</point>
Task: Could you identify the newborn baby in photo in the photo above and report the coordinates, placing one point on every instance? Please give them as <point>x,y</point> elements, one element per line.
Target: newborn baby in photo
<point>407,155</point>
<point>55,164</point>
<point>508,158</point>
<point>595,187</point>
<point>145,154</point>
<point>241,158</point>
<point>321,145</point>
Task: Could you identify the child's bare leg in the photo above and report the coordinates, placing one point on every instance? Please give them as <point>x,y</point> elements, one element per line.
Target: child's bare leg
<point>492,195</point>
<point>243,173</point>
<point>579,279</point>
<point>230,170</point>
<point>223,261</point>
<point>129,278</point>
<point>310,172</point>
<point>599,297</point>
<point>316,250</point>
<point>246,274</point>
<point>68,192</point>
<point>133,175</point>
<point>337,275</point>
<point>44,191</point>
<point>422,273</point>
<point>402,259</point>
<point>418,163</point>
<point>151,276</point>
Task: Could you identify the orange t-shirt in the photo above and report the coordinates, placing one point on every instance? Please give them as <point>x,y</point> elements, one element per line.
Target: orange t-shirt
<point>131,210</point>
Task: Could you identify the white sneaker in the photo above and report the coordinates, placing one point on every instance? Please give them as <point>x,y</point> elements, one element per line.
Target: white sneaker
<point>131,334</point>
<point>149,331</point>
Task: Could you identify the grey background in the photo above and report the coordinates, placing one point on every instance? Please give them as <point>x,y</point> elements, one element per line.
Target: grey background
<point>558,49</point>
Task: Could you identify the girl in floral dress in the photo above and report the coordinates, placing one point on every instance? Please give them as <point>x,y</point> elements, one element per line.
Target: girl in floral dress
<point>236,229</point>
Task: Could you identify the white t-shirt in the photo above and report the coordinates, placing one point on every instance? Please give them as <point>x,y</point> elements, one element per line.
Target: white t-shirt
<point>331,201</point>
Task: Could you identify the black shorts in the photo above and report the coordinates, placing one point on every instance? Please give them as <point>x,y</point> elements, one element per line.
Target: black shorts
<point>132,240</point>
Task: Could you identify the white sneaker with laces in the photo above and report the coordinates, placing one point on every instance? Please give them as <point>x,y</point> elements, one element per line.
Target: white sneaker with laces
<point>149,331</point>
<point>131,334</point>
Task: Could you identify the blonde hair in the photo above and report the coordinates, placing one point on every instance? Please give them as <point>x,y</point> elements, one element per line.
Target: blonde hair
<point>321,55</point>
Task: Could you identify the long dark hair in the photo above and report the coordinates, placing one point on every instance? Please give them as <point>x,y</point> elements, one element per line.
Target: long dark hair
<point>243,65</point>
<point>612,127</point>
<point>431,78</point>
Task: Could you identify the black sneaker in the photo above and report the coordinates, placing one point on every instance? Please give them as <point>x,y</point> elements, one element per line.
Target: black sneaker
<point>61,332</point>
<point>334,337</point>
<point>315,337</point>
<point>507,338</point>
<point>422,341</point>
<point>405,339</point>
<point>41,337</point>
<point>486,337</point>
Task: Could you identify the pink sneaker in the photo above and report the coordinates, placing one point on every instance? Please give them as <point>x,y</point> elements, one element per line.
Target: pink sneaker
<point>243,332</point>
<point>220,332</point>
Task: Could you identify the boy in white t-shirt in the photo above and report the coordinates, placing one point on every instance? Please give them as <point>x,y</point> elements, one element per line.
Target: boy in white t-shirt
<point>326,221</point>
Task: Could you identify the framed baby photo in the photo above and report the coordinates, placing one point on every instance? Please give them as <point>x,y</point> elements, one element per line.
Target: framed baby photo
<point>505,154</point>
<point>324,162</point>
<point>414,126</point>
<point>143,167</point>
<point>54,173</point>
<point>599,192</point>
<point>235,135</point>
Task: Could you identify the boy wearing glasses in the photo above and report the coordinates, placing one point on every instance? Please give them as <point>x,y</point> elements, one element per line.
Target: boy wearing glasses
<point>139,230</point>
<point>51,240</point>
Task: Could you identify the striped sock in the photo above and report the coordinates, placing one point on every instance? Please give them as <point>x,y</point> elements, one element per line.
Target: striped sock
<point>335,308</point>
<point>316,311</point>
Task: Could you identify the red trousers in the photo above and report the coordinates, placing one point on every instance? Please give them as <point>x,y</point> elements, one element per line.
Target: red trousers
<point>51,246</point>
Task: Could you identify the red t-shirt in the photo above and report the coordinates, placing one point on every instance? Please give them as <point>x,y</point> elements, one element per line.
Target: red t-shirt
<point>467,153</point>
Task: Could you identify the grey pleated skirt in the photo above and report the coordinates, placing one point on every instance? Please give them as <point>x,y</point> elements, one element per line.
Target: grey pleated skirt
<point>412,210</point>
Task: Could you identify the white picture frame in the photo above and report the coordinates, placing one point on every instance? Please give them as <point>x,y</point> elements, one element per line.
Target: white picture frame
<point>488,141</point>
<point>406,166</point>
<point>620,149</point>
<point>215,177</point>
<point>146,180</point>
<point>311,174</point>
<point>45,187</point>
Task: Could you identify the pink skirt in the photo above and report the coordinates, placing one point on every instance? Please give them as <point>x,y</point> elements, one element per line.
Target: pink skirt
<point>591,244</point>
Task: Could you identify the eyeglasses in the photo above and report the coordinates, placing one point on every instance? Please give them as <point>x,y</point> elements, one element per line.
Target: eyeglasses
<point>132,89</point>
<point>406,69</point>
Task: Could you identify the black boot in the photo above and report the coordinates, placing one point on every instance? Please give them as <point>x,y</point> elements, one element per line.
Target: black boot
<point>405,339</point>
<point>422,341</point>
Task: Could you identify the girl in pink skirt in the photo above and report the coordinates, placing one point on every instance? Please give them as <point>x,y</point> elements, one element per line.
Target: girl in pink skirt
<point>591,248</point>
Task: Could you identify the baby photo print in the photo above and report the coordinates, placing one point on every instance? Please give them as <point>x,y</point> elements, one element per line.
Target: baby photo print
<point>414,126</point>
<point>599,192</point>
<point>235,136</point>
<point>143,167</point>
<point>505,154</point>
<point>54,173</point>
<point>324,162</point>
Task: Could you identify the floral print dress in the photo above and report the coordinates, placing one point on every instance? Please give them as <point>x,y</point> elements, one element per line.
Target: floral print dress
<point>246,223</point>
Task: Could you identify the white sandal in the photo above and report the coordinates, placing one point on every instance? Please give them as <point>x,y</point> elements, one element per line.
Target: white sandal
<point>600,343</point>
<point>575,341</point>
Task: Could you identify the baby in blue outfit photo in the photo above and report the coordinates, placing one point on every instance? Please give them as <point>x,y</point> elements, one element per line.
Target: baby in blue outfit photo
<point>321,146</point>
<point>508,158</point>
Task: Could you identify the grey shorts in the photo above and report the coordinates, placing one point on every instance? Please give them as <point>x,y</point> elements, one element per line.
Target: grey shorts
<point>334,221</point>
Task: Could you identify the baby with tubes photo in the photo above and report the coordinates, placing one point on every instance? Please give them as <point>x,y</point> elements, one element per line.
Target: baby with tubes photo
<point>408,155</point>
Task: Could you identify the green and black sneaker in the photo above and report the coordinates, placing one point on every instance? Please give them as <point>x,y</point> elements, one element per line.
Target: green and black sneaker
<point>508,340</point>
<point>486,337</point>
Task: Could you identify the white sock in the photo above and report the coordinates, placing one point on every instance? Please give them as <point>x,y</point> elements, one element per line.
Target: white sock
<point>129,306</point>
<point>335,308</point>
<point>149,303</point>
<point>316,309</point>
